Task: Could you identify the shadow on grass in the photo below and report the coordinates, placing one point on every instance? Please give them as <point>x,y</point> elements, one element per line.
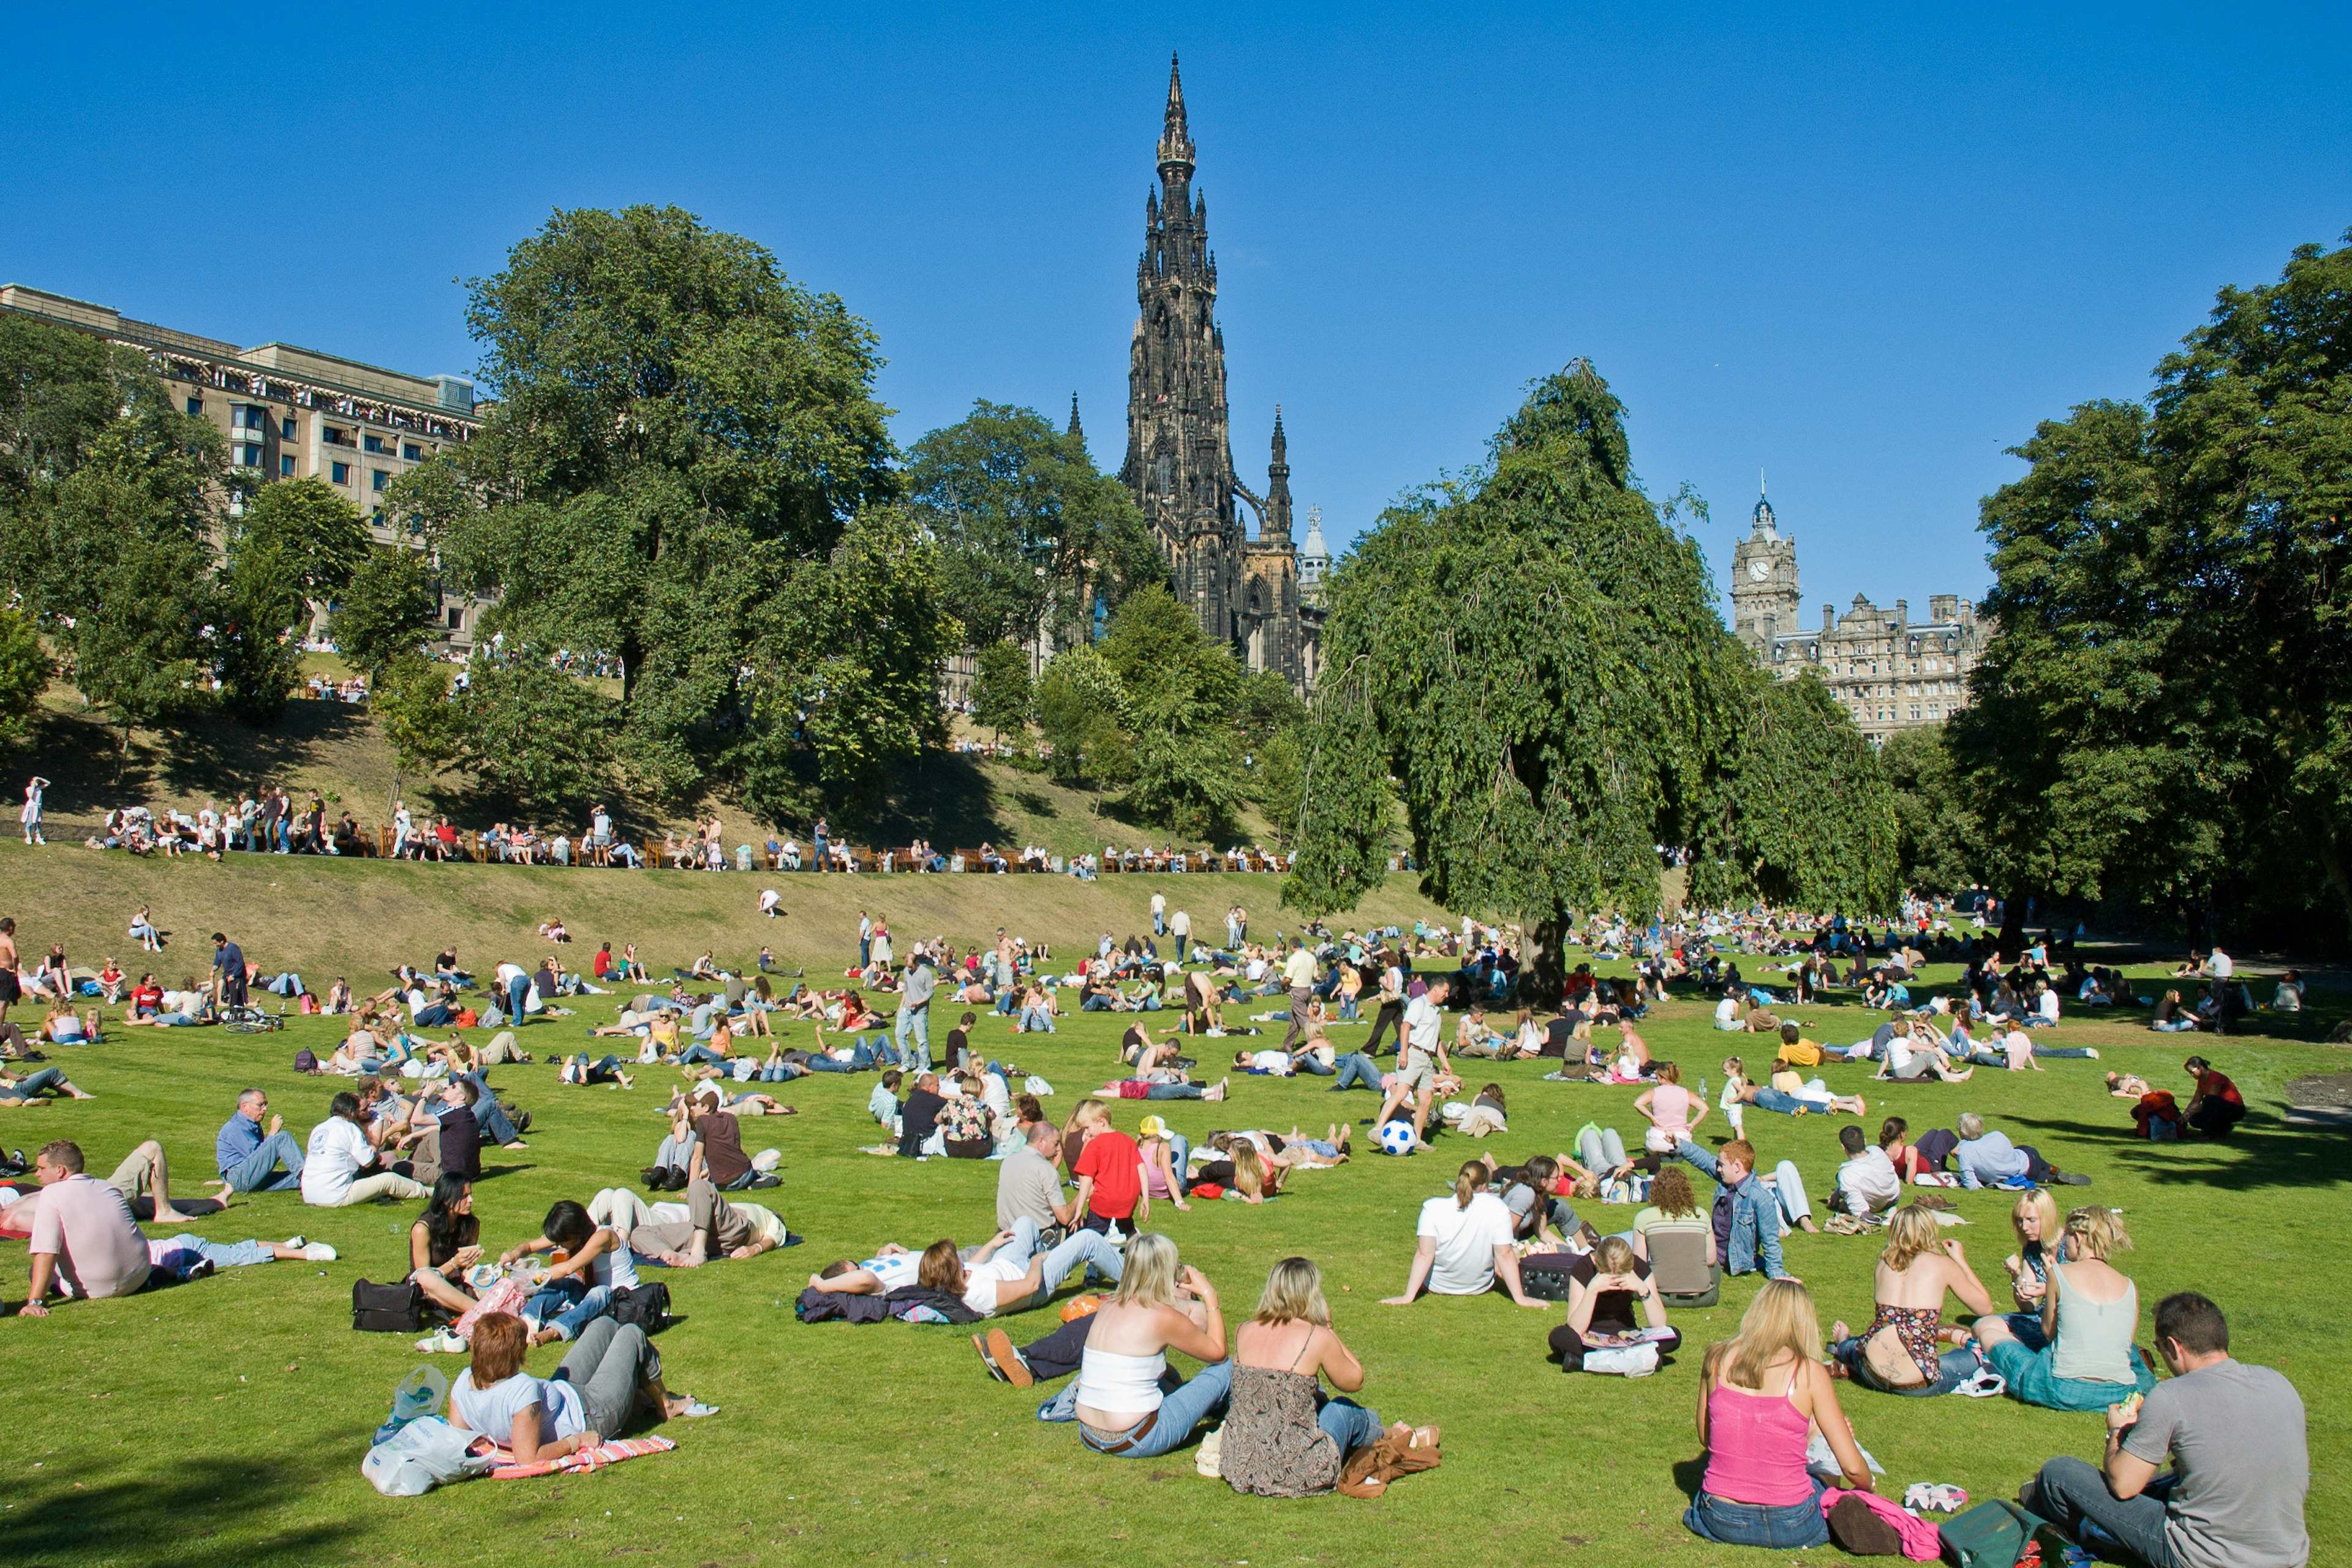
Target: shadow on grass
<point>2262,1151</point>
<point>210,1510</point>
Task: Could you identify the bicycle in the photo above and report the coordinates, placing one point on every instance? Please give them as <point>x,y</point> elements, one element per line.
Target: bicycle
<point>248,1020</point>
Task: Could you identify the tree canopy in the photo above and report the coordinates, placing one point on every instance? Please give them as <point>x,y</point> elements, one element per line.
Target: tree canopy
<point>2164,712</point>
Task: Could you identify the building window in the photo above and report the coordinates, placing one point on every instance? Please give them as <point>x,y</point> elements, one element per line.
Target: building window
<point>286,428</point>
<point>243,416</point>
<point>378,479</point>
<point>247,455</point>
<point>285,466</point>
<point>411,451</point>
<point>195,406</point>
<point>335,437</point>
<point>373,442</point>
<point>456,618</point>
<point>343,473</point>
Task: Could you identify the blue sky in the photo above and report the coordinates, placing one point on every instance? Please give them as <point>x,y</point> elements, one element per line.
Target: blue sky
<point>1861,253</point>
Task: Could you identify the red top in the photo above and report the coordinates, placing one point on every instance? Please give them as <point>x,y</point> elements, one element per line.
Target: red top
<point>1112,1159</point>
<point>603,961</point>
<point>2210,1083</point>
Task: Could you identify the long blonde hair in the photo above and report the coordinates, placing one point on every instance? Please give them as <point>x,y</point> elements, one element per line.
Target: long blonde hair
<point>1149,1278</point>
<point>1613,1256</point>
<point>1294,1294</point>
<point>1251,1175</point>
<point>1912,1233</point>
<point>1781,1320</point>
<point>2037,1203</point>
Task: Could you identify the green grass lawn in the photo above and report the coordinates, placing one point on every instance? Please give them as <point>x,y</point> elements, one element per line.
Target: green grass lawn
<point>225,1421</point>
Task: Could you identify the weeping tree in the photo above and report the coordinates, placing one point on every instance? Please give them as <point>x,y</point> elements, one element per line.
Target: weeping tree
<point>1532,655</point>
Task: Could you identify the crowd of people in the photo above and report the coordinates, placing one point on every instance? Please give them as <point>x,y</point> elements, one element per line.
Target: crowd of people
<point>1074,1197</point>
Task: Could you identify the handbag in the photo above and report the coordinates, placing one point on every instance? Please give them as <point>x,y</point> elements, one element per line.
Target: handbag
<point>1546,1283</point>
<point>645,1304</point>
<point>388,1308</point>
<point>1991,1535</point>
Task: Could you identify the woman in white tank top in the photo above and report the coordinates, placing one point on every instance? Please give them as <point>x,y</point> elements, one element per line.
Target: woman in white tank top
<point>1123,1408</point>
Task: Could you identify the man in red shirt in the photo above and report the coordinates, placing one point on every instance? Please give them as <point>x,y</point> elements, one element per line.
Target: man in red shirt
<point>1110,1181</point>
<point>2217,1106</point>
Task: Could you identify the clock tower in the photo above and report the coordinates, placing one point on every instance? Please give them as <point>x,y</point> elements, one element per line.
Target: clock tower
<point>1765,602</point>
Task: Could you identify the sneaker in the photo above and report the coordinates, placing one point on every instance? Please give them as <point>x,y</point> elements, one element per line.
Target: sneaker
<point>1005,1360</point>
<point>2094,1050</point>
<point>319,1252</point>
<point>979,1344</point>
<point>296,1242</point>
<point>443,1343</point>
<point>2069,1178</point>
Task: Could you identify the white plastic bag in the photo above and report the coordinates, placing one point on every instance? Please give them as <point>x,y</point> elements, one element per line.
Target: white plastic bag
<point>426,1453</point>
<point>1622,1361</point>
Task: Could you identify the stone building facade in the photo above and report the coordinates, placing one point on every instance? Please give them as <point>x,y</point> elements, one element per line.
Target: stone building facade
<point>1246,587</point>
<point>291,413</point>
<point>1888,671</point>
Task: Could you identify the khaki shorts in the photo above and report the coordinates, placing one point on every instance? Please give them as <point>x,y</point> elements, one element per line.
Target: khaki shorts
<point>1417,1073</point>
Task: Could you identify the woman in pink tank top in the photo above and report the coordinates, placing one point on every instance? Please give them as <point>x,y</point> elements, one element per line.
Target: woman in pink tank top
<point>1766,1390</point>
<point>1673,1110</point>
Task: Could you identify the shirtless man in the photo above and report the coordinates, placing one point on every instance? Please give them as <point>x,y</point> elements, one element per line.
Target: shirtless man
<point>9,988</point>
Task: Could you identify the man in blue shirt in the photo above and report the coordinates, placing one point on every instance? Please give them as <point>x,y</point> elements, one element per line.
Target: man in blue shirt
<point>1990,1160</point>
<point>248,1153</point>
<point>228,960</point>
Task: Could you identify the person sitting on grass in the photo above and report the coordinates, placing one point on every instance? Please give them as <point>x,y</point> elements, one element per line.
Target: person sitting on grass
<point>1463,1243</point>
<point>64,1026</point>
<point>1748,1212</point>
<point>1867,1180</point>
<point>1284,1437</point>
<point>1898,1352</point>
<point>340,1148</point>
<point>579,1288</point>
<point>2216,1106</point>
<point>1673,1207</point>
<point>443,1242</point>
<point>248,1152</point>
<point>1767,1391</point>
<point>2085,1360</point>
<point>1604,1285</point>
<point>2034,1219</point>
<point>85,1243</point>
<point>2240,1461</point>
<point>1120,1399</point>
<point>605,1379</point>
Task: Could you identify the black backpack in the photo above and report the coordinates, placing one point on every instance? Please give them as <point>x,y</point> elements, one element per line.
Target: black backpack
<point>646,1306</point>
<point>388,1308</point>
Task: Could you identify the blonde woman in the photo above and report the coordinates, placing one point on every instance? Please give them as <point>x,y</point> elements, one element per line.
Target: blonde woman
<point>1284,1437</point>
<point>1898,1353</point>
<point>2035,1218</point>
<point>1121,1406</point>
<point>1605,1287</point>
<point>2086,1360</point>
<point>1763,1393</point>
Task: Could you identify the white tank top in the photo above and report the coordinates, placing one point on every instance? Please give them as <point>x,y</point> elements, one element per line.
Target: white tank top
<point>1109,1380</point>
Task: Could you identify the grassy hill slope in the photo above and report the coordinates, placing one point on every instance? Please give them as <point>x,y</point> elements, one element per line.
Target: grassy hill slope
<point>356,918</point>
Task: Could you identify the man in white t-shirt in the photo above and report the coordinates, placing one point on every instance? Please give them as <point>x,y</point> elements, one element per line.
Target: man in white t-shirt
<point>1867,1181</point>
<point>338,1150</point>
<point>1464,1248</point>
<point>2220,964</point>
<point>1299,972</point>
<point>1159,914</point>
<point>1418,1061</point>
<point>892,1268</point>
<point>1281,1064</point>
<point>1179,926</point>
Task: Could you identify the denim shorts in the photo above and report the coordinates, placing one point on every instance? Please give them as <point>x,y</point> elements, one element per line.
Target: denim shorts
<point>1780,1526</point>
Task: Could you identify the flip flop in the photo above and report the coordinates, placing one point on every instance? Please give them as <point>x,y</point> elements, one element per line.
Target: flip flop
<point>696,1409</point>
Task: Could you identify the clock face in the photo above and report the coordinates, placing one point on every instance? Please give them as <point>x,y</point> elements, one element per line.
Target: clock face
<point>1759,568</point>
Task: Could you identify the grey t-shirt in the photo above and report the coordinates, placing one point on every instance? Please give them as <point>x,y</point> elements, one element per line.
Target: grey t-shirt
<point>1027,1185</point>
<point>2235,1435</point>
<point>916,990</point>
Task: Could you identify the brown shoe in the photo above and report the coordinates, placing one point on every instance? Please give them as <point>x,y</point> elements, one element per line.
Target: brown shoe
<point>1008,1360</point>
<point>1861,1532</point>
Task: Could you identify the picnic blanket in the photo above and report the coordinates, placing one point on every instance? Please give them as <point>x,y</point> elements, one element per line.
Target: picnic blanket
<point>611,1452</point>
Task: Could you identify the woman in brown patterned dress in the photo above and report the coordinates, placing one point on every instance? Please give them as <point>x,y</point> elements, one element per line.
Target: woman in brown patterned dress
<point>1284,1437</point>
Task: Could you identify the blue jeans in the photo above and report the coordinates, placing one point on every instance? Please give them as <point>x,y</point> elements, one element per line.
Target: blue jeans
<point>2177,1026</point>
<point>698,1053</point>
<point>186,1251</point>
<point>32,1084</point>
<point>1184,944</point>
<point>1086,1246</point>
<point>915,1021</point>
<point>256,1172</point>
<point>517,996</point>
<point>1308,1064</point>
<point>569,1306</point>
<point>1782,1527</point>
<point>1771,1098</point>
<point>1357,1067</point>
<point>494,1120</point>
<point>1954,1367</point>
<point>1037,1020</point>
<point>1178,1414</point>
<point>2041,1050</point>
<point>2073,1495</point>
<point>1351,1425</point>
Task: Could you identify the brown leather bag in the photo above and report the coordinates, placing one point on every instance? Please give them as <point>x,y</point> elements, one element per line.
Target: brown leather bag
<point>1369,1470</point>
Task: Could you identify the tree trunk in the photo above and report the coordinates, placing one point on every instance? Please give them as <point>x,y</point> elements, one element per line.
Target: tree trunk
<point>1543,967</point>
<point>2012,924</point>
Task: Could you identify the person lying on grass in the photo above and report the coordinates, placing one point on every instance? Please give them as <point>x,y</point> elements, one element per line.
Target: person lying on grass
<point>18,1091</point>
<point>708,1229</point>
<point>1011,1272</point>
<point>611,1373</point>
<point>85,1243</point>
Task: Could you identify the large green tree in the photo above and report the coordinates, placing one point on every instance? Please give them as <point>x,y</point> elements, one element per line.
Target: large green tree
<point>1031,536</point>
<point>1937,834</point>
<point>1180,694</point>
<point>1798,811</point>
<point>1534,655</point>
<point>318,535</point>
<point>1001,691</point>
<point>2163,713</point>
<point>388,610</point>
<point>679,434</point>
